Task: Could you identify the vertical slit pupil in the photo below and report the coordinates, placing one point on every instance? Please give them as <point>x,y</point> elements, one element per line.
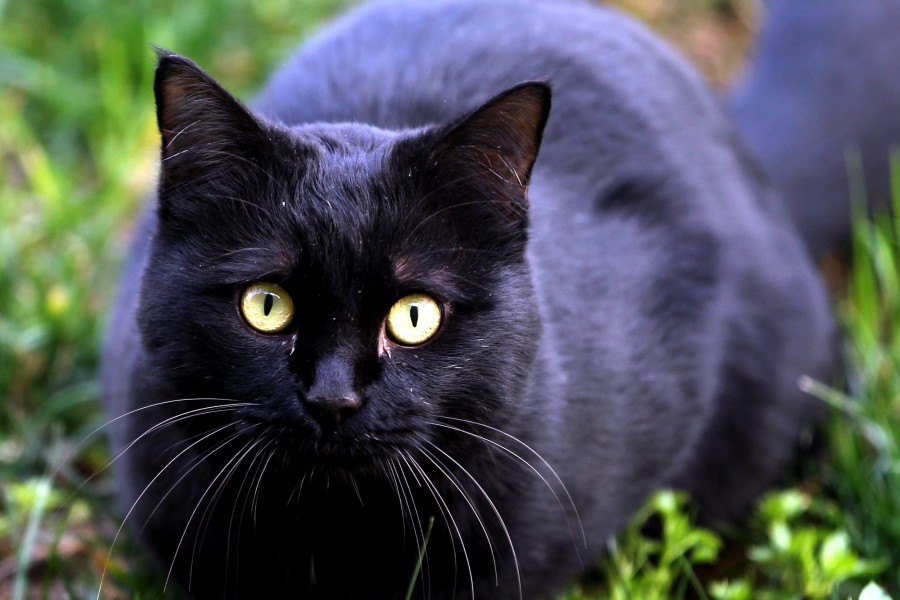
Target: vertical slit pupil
<point>268,303</point>
<point>414,315</point>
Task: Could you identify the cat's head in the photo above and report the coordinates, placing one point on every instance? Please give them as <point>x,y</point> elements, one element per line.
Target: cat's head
<point>353,285</point>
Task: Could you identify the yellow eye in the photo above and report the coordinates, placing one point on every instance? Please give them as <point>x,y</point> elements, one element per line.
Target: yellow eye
<point>267,307</point>
<point>413,319</point>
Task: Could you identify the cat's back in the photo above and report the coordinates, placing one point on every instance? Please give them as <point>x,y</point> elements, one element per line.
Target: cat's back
<point>405,63</point>
<point>629,115</point>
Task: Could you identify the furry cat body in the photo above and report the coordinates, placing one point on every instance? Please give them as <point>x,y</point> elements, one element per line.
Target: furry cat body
<point>641,321</point>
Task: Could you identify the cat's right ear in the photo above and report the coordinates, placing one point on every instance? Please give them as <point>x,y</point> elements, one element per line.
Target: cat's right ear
<point>204,128</point>
<point>493,149</point>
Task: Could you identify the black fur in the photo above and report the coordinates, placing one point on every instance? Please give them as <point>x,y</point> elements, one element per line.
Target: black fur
<point>630,313</point>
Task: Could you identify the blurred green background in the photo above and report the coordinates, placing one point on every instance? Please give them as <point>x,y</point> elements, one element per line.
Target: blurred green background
<point>78,151</point>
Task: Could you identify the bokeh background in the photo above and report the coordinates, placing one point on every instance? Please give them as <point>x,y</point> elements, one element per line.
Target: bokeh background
<point>78,151</point>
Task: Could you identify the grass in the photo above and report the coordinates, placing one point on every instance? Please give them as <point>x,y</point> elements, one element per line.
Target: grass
<point>78,147</point>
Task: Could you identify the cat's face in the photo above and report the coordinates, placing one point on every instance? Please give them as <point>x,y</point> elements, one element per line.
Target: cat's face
<point>353,286</point>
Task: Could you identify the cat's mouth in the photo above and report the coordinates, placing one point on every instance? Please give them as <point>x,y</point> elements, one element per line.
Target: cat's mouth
<point>347,447</point>
<point>352,443</point>
<point>337,456</point>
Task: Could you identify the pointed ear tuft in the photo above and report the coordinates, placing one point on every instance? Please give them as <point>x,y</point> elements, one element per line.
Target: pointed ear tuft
<point>496,145</point>
<point>195,114</point>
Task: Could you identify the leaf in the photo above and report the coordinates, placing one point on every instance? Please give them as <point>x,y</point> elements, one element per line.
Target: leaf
<point>873,592</point>
<point>780,536</point>
<point>835,554</point>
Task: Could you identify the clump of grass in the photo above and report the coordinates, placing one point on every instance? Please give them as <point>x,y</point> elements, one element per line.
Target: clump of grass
<point>801,548</point>
<point>663,565</point>
<point>795,545</point>
<point>864,467</point>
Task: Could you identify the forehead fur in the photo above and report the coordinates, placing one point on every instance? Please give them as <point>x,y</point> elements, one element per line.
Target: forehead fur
<point>349,203</point>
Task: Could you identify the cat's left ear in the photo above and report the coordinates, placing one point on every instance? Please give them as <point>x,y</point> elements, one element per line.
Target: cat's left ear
<point>495,146</point>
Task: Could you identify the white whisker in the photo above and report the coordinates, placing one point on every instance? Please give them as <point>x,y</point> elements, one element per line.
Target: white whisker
<point>203,524</point>
<point>262,471</point>
<point>410,513</point>
<point>448,514</point>
<point>537,455</point>
<point>138,499</point>
<point>99,428</point>
<point>243,511</point>
<point>459,487</point>
<point>237,457</point>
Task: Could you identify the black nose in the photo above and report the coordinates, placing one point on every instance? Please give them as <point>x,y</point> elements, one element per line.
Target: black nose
<point>329,411</point>
<point>332,398</point>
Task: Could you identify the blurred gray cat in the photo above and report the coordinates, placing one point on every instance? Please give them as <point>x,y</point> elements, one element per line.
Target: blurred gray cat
<point>821,91</point>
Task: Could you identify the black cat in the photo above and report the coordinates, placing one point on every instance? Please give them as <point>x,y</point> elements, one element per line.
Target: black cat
<point>370,323</point>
